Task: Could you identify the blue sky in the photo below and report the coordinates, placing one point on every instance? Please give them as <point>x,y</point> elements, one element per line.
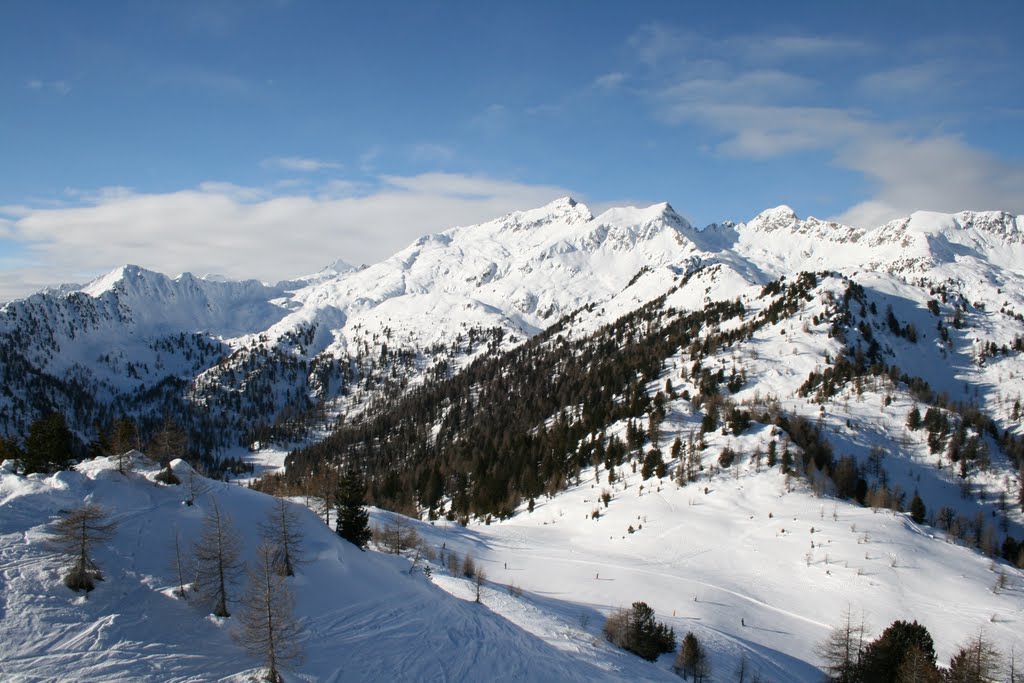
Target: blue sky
<point>266,138</point>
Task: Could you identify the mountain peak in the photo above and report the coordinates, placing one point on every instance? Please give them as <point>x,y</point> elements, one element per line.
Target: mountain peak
<point>106,283</point>
<point>777,218</point>
<point>564,210</point>
<point>672,216</point>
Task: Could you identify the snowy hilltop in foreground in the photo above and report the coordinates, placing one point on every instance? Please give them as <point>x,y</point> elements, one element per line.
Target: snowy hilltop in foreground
<point>363,615</point>
<point>758,572</point>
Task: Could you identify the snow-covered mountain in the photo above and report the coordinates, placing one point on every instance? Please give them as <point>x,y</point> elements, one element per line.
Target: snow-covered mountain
<point>728,388</point>
<point>135,341</point>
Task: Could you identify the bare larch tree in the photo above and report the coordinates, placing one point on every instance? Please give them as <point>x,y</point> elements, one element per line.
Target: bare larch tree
<point>843,648</point>
<point>179,565</point>
<point>75,536</point>
<point>218,560</point>
<point>269,629</point>
<point>282,533</point>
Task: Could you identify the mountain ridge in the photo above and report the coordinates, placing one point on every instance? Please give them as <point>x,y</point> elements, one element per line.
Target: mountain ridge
<point>514,275</point>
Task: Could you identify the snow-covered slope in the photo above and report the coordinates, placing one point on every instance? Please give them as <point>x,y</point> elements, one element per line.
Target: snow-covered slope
<point>754,564</point>
<point>365,617</point>
<point>758,569</point>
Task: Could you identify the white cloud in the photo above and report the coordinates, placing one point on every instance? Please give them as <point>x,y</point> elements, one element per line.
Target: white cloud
<point>658,44</point>
<point>609,80</point>
<point>936,173</point>
<point>300,164</point>
<point>901,81</point>
<point>722,84</point>
<point>247,232</point>
<point>763,85</point>
<point>777,48</point>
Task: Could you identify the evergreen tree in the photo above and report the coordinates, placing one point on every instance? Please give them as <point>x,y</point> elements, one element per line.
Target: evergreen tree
<point>636,630</point>
<point>10,450</point>
<point>918,511</point>
<point>48,445</point>
<point>75,535</point>
<point>884,657</point>
<point>653,464</point>
<point>353,521</point>
<point>917,668</point>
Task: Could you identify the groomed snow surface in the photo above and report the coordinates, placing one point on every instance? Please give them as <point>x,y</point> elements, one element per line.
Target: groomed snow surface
<point>733,564</point>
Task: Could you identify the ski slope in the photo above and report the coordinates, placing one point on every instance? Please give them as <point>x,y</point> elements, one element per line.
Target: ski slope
<point>365,617</point>
<point>756,568</point>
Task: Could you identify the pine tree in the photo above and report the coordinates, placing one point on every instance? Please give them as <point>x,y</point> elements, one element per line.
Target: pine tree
<point>917,667</point>
<point>635,629</point>
<point>885,656</point>
<point>269,629</point>
<point>218,560</point>
<point>281,532</point>
<point>353,521</point>
<point>918,511</point>
<point>11,450</point>
<point>75,536</point>
<point>48,445</point>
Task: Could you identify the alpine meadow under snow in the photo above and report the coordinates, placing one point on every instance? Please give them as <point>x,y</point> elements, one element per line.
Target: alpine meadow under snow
<point>751,428</point>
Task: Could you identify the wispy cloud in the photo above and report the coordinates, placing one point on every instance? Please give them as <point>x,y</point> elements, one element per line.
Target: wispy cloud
<point>906,80</point>
<point>778,48</point>
<point>610,80</point>
<point>656,44</point>
<point>57,87</point>
<point>722,84</point>
<point>300,164</point>
<point>251,232</point>
<point>494,118</point>
<point>368,159</point>
<point>742,88</point>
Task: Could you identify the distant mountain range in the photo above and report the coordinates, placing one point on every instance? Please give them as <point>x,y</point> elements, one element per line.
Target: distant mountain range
<point>243,361</point>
